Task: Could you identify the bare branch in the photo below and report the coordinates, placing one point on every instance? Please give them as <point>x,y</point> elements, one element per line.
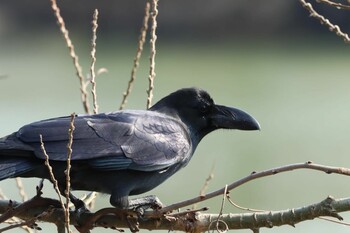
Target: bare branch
<point>64,31</point>
<point>206,184</point>
<point>141,42</point>
<point>335,221</point>
<point>152,73</point>
<point>55,183</point>
<point>52,176</point>
<point>207,181</point>
<point>335,4</point>
<point>218,220</point>
<point>189,221</point>
<point>93,61</point>
<point>240,207</point>
<point>254,175</point>
<point>323,20</point>
<point>21,190</point>
<point>69,157</point>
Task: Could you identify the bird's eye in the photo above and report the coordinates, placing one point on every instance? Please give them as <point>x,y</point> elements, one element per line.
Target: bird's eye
<point>204,108</point>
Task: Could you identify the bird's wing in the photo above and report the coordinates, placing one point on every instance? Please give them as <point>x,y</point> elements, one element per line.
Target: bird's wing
<point>86,144</point>
<point>153,141</point>
<point>140,140</point>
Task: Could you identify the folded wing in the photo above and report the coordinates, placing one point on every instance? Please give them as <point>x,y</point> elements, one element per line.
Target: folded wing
<point>139,140</point>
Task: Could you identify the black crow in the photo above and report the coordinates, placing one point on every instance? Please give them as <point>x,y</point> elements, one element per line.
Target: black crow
<point>121,153</point>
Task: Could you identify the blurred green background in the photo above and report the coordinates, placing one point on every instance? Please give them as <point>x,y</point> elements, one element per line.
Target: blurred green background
<point>293,78</point>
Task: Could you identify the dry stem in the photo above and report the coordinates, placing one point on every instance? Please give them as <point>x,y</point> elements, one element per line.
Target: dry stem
<point>152,73</point>
<point>20,187</point>
<point>141,42</point>
<point>93,61</point>
<point>54,181</point>
<point>335,4</point>
<point>252,176</point>
<point>189,221</point>
<point>240,207</point>
<point>64,31</point>
<point>206,184</point>
<point>323,20</point>
<point>69,157</point>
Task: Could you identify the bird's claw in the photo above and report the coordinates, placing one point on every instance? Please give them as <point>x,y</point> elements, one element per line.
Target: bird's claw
<point>140,205</point>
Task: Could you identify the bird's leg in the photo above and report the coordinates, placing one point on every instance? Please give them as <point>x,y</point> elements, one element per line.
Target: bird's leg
<point>79,205</point>
<point>143,203</point>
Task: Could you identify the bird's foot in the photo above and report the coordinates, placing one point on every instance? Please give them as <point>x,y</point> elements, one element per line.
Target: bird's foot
<point>79,206</point>
<point>144,203</point>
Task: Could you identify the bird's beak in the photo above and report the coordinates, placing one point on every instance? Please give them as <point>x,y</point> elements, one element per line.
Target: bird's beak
<point>233,118</point>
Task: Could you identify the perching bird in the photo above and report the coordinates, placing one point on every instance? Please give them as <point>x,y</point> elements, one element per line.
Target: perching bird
<point>120,153</point>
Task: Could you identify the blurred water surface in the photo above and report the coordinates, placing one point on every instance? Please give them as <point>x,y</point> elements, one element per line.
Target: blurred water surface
<point>297,89</point>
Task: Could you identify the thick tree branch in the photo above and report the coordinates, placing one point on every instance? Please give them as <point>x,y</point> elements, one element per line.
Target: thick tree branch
<point>193,221</point>
<point>188,221</point>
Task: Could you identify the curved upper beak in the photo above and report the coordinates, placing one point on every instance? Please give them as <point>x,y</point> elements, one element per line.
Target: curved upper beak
<point>233,118</point>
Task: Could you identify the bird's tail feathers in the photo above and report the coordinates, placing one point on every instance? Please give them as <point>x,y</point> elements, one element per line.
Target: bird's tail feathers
<point>14,167</point>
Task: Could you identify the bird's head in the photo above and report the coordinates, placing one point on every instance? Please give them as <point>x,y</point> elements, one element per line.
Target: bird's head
<point>201,115</point>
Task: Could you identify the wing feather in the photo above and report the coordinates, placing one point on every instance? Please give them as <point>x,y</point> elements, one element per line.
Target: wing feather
<point>139,140</point>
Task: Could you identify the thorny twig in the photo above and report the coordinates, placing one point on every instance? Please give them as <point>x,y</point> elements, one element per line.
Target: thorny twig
<point>141,42</point>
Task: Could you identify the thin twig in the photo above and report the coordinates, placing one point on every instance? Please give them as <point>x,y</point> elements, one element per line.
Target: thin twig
<point>218,221</point>
<point>207,181</point>
<point>334,221</point>
<point>206,184</point>
<point>24,196</point>
<point>152,73</point>
<point>254,175</point>
<point>2,195</point>
<point>240,207</point>
<point>64,31</point>
<point>21,224</point>
<point>21,190</point>
<point>141,42</point>
<point>182,213</point>
<point>93,61</point>
<point>52,176</point>
<point>69,157</point>
<point>17,222</point>
<point>29,222</point>
<point>323,20</point>
<point>335,4</point>
<point>89,199</point>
